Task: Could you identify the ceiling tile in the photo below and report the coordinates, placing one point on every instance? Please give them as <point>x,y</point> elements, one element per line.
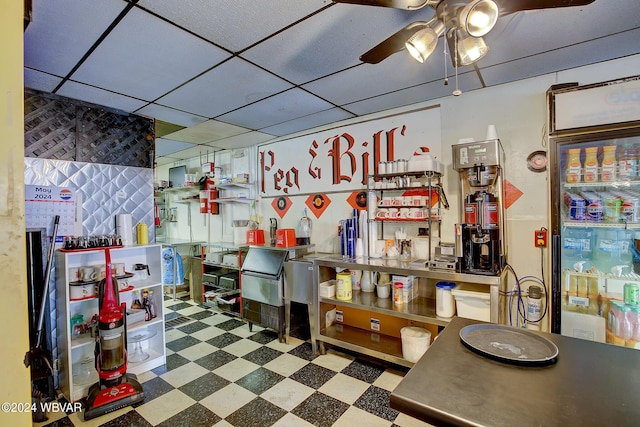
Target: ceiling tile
<point>330,41</point>
<point>166,147</point>
<point>307,122</point>
<point>227,87</point>
<point>211,130</point>
<point>367,80</point>
<point>145,57</point>
<point>40,81</point>
<point>466,82</point>
<point>234,24</point>
<point>569,57</point>
<point>204,152</point>
<point>529,33</point>
<point>95,95</point>
<point>170,115</point>
<point>161,161</point>
<point>62,31</point>
<point>244,140</point>
<point>279,108</point>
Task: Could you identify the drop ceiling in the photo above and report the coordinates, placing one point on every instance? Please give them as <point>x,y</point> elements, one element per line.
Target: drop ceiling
<point>233,73</point>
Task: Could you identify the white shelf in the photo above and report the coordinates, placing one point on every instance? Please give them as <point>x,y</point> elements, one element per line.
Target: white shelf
<point>71,351</point>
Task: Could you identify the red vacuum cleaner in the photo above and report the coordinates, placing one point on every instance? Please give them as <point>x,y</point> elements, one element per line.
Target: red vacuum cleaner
<point>115,388</point>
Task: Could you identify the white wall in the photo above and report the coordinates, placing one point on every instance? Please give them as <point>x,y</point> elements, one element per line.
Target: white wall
<point>519,111</point>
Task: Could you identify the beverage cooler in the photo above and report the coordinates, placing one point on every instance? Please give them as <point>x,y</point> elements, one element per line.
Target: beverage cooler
<point>594,152</point>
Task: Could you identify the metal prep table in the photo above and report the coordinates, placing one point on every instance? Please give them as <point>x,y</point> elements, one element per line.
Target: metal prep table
<point>591,384</point>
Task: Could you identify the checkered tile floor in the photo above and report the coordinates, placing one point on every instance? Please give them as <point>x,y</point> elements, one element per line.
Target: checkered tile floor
<point>220,374</point>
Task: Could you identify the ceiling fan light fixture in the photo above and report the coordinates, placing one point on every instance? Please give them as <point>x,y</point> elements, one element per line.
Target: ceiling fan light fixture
<point>422,44</point>
<point>471,49</point>
<point>478,17</point>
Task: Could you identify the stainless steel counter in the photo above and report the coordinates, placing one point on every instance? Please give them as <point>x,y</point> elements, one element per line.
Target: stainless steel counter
<point>418,269</point>
<point>591,384</point>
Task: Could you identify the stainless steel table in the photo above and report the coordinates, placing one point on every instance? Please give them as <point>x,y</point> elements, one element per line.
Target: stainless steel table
<point>591,384</point>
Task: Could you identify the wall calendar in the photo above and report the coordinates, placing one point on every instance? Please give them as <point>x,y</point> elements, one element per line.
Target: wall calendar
<point>43,203</point>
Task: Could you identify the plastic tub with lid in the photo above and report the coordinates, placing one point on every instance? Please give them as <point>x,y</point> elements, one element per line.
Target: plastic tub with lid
<point>415,342</point>
<point>473,301</point>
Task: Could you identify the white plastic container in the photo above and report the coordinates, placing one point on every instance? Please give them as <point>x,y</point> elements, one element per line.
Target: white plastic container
<point>328,289</point>
<point>415,342</point>
<point>472,301</point>
<point>445,303</point>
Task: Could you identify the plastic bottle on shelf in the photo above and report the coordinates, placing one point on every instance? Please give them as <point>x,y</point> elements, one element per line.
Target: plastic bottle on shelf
<point>574,166</point>
<point>577,248</point>
<point>152,306</point>
<point>627,162</point>
<point>608,169</point>
<point>591,164</point>
<point>145,305</point>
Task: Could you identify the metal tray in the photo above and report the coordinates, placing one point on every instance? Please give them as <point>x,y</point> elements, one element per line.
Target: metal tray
<point>509,345</point>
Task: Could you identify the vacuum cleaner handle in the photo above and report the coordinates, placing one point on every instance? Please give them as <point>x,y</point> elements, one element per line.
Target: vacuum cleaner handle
<point>47,276</point>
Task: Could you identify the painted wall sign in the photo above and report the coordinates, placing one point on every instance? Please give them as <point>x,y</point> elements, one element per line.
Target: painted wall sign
<point>340,159</point>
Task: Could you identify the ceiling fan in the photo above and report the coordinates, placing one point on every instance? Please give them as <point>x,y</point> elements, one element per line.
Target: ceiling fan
<point>462,22</point>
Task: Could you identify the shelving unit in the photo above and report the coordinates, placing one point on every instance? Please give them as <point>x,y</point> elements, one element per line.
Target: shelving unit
<point>360,335</point>
<point>72,348</point>
<point>411,183</point>
<point>228,193</point>
<point>221,280</point>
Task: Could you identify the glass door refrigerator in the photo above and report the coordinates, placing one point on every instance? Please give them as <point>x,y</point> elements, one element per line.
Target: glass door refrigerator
<point>594,157</point>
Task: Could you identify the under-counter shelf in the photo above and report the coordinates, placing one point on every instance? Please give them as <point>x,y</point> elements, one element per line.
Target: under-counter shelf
<point>373,344</point>
<point>420,309</point>
<point>372,325</point>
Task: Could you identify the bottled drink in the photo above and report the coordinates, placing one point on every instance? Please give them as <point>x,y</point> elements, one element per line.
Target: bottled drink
<point>627,162</point>
<point>574,166</point>
<point>591,164</point>
<point>577,248</point>
<point>608,172</point>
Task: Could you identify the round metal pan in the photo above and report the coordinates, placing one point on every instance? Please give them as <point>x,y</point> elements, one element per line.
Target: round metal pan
<point>509,345</point>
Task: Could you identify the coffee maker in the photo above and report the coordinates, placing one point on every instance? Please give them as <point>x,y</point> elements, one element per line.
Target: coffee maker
<point>480,238</point>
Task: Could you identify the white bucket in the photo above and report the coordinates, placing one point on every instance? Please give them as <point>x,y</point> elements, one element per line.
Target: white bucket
<point>240,235</point>
<point>415,341</point>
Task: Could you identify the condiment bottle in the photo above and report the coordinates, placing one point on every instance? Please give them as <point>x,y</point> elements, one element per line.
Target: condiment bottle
<point>574,166</point>
<point>591,164</point>
<point>136,304</point>
<point>608,163</point>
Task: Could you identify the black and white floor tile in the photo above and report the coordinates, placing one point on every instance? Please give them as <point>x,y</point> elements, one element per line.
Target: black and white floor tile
<point>218,373</point>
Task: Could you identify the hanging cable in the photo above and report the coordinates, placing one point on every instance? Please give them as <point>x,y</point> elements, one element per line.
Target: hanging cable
<point>456,92</point>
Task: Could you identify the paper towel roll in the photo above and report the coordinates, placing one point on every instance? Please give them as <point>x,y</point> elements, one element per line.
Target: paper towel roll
<point>124,228</point>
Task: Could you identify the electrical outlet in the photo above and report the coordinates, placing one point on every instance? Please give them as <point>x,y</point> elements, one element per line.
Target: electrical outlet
<point>540,238</point>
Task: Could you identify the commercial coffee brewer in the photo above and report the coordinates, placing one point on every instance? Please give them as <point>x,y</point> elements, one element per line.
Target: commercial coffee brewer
<point>480,238</point>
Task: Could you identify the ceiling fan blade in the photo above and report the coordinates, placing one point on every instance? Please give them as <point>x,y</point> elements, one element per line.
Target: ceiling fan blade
<point>396,4</point>
<point>512,6</point>
<point>393,44</point>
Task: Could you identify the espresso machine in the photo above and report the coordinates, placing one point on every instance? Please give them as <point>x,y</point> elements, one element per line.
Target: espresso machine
<point>480,238</point>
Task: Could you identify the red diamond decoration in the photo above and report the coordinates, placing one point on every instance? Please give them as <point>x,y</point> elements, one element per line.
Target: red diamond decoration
<point>511,194</point>
<point>318,203</point>
<point>281,205</point>
<point>358,200</point>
